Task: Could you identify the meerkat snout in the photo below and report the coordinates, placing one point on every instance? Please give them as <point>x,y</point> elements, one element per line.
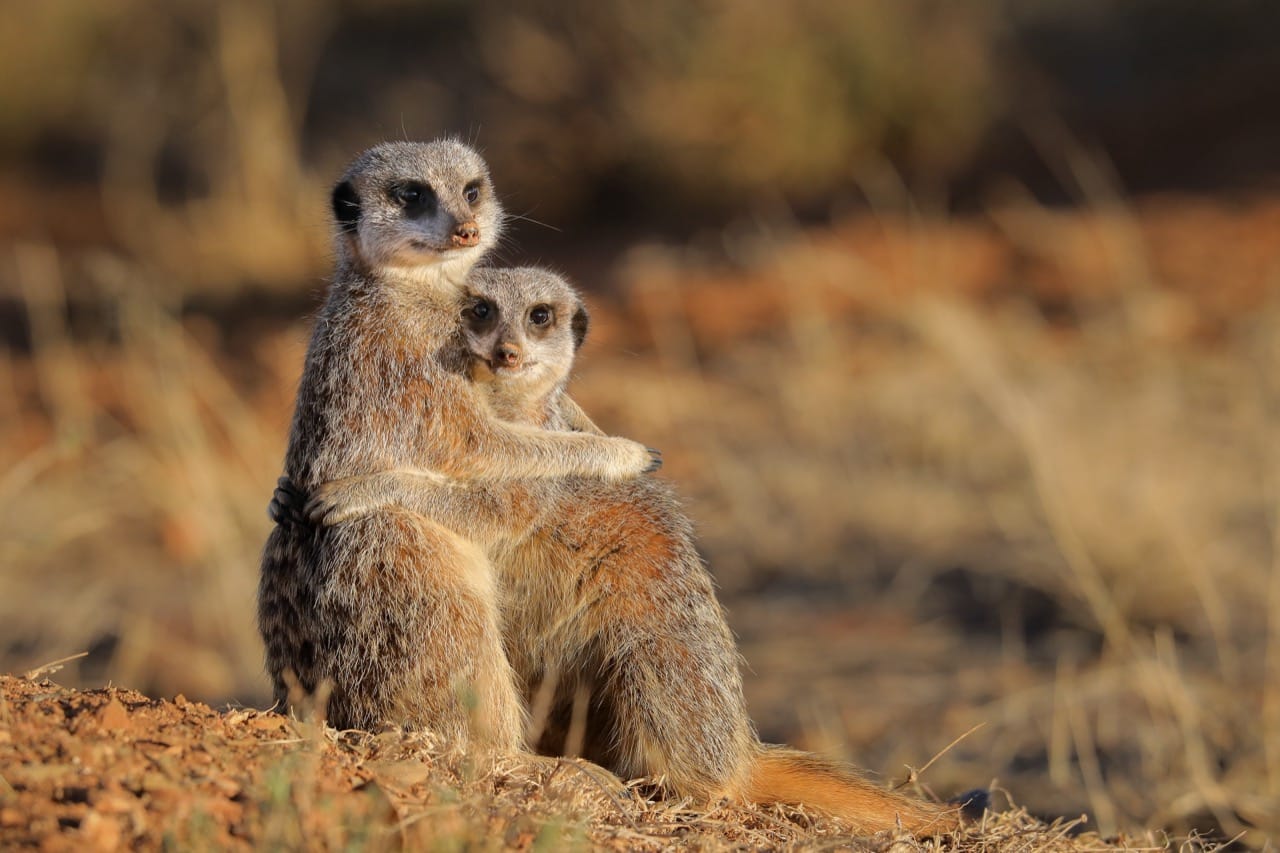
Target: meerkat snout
<point>507,354</point>
<point>466,234</point>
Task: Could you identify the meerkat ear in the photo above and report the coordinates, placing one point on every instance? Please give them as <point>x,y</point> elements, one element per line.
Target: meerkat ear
<point>578,325</point>
<point>346,207</point>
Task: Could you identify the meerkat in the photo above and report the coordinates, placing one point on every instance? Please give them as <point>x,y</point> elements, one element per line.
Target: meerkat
<point>604,605</point>
<point>394,612</point>
<point>523,329</point>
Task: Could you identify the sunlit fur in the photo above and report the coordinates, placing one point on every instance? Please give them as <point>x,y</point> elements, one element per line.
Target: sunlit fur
<point>394,613</point>
<point>604,595</point>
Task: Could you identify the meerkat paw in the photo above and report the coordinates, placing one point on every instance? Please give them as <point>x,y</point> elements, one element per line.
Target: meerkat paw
<point>287,502</point>
<point>638,460</point>
<point>342,500</point>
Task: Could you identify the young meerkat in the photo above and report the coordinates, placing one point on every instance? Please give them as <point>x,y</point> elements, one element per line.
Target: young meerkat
<point>394,612</point>
<point>523,329</point>
<point>604,605</point>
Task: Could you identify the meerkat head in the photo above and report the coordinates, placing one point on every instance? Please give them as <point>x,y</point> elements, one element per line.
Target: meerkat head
<point>411,206</point>
<point>523,328</point>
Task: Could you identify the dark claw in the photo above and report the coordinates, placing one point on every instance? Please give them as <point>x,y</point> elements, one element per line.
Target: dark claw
<point>655,460</point>
<point>285,502</point>
<point>315,513</point>
<point>277,511</point>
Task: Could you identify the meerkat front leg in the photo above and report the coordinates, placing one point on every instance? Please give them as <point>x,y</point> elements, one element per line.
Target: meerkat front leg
<point>496,450</point>
<point>341,500</point>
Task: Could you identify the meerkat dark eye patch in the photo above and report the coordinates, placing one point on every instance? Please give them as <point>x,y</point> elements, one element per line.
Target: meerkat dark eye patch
<point>415,197</point>
<point>346,207</point>
<point>480,313</point>
<point>472,192</point>
<point>578,325</point>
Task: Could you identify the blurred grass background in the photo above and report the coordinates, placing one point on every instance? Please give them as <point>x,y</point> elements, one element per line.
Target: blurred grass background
<point>956,323</point>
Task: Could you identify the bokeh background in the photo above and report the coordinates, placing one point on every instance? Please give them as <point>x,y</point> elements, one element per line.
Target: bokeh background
<point>957,324</point>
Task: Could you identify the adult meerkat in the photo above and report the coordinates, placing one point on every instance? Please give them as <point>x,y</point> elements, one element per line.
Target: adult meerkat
<point>605,600</point>
<point>394,611</point>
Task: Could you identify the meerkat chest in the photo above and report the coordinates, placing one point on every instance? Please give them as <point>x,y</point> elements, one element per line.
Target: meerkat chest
<point>379,373</point>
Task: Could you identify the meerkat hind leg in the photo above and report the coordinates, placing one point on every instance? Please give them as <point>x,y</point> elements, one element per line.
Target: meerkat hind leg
<point>412,632</point>
<point>647,632</point>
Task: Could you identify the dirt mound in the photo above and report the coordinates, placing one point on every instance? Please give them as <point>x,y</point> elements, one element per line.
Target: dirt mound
<point>109,768</point>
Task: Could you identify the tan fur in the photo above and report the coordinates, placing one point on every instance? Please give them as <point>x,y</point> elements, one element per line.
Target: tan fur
<point>395,612</point>
<point>788,776</point>
<point>605,596</point>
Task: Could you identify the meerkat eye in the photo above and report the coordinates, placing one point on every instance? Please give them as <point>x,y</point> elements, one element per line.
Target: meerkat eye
<point>410,195</point>
<point>472,193</point>
<point>540,315</point>
<point>481,310</point>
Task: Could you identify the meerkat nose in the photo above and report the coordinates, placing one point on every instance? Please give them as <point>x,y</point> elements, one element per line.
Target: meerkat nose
<point>507,355</point>
<point>466,234</point>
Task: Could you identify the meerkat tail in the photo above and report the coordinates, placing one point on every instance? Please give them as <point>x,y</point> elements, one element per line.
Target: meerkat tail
<point>790,776</point>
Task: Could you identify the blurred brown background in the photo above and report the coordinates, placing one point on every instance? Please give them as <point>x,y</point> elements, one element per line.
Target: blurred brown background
<point>955,322</point>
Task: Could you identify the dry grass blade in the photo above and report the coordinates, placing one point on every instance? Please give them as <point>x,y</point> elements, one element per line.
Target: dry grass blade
<point>915,774</point>
<point>46,669</point>
<point>582,767</point>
